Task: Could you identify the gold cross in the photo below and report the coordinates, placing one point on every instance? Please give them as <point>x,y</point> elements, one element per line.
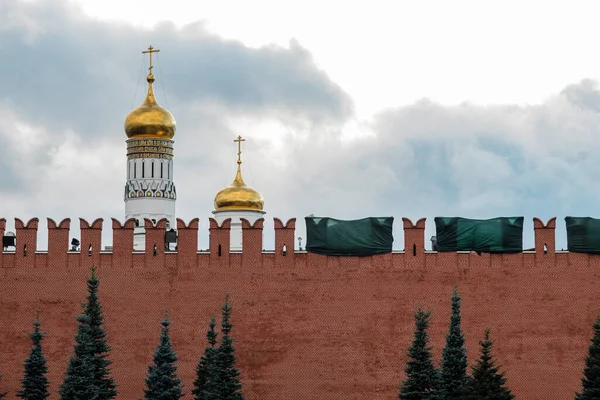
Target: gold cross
<point>239,141</point>
<point>150,50</point>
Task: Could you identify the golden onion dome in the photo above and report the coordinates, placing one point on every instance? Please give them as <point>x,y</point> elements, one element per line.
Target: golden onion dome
<point>150,120</point>
<point>239,196</point>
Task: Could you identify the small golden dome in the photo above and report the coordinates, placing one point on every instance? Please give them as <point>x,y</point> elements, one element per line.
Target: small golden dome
<point>150,120</point>
<point>238,196</point>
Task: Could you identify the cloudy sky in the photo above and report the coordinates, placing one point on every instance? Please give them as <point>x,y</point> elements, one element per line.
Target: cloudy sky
<point>402,108</point>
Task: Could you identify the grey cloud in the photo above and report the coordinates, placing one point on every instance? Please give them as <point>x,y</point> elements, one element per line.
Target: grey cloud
<point>584,94</point>
<point>63,69</point>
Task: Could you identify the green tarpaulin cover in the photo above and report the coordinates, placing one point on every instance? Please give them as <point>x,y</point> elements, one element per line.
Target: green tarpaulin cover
<point>361,237</point>
<point>496,235</point>
<point>583,235</point>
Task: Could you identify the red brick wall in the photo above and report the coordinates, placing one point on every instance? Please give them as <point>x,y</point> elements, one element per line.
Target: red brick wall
<point>322,328</point>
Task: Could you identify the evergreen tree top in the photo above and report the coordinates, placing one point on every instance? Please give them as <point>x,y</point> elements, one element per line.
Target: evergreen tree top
<point>34,383</point>
<point>488,382</point>
<point>591,373</point>
<point>226,315</point>
<point>36,336</point>
<point>422,378</point>
<point>211,334</point>
<point>162,382</point>
<point>454,356</point>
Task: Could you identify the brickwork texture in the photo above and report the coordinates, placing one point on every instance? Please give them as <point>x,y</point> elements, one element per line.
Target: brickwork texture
<point>306,326</point>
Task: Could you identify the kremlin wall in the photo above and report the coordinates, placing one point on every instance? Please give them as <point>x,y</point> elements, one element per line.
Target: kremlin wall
<point>307,326</point>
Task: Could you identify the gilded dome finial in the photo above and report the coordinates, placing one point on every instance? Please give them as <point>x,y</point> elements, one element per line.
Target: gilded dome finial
<point>238,196</point>
<point>150,120</point>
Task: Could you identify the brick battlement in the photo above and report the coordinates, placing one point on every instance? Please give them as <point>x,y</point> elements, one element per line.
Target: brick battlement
<point>187,255</point>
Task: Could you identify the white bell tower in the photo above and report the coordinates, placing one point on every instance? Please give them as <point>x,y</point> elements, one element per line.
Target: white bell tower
<point>149,188</point>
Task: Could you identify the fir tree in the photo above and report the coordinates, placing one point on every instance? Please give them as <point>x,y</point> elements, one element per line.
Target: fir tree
<point>453,373</point>
<point>79,380</point>
<point>91,351</point>
<point>162,382</point>
<point>591,372</point>
<point>204,385</point>
<point>488,383</point>
<point>422,382</point>
<point>227,375</point>
<point>2,394</point>
<point>106,385</point>
<point>34,382</point>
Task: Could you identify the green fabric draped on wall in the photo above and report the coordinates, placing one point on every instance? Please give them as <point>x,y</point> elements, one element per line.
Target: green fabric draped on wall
<point>361,237</point>
<point>496,235</point>
<point>583,235</point>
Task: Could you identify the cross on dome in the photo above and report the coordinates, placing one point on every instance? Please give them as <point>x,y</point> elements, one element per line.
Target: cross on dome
<point>239,141</point>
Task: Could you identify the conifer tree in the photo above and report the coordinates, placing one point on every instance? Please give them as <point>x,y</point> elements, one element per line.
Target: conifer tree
<point>488,382</point>
<point>2,394</point>
<point>227,375</point>
<point>591,373</point>
<point>79,382</point>
<point>204,385</point>
<point>422,381</point>
<point>91,351</point>
<point>93,310</point>
<point>162,382</point>
<point>34,382</point>
<point>453,372</point>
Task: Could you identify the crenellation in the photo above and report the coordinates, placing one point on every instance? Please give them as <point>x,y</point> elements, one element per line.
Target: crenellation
<point>123,243</point>
<point>2,230</point>
<point>545,242</point>
<point>284,242</point>
<point>90,242</point>
<point>184,254</point>
<point>155,242</point>
<point>252,243</point>
<point>414,243</point>
<point>26,243</point>
<point>187,244</point>
<point>219,242</point>
<point>58,243</point>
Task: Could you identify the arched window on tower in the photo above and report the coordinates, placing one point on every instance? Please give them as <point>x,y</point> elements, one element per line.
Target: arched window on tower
<point>168,171</point>
<point>153,169</point>
<point>143,169</point>
<point>161,170</point>
<point>135,170</point>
